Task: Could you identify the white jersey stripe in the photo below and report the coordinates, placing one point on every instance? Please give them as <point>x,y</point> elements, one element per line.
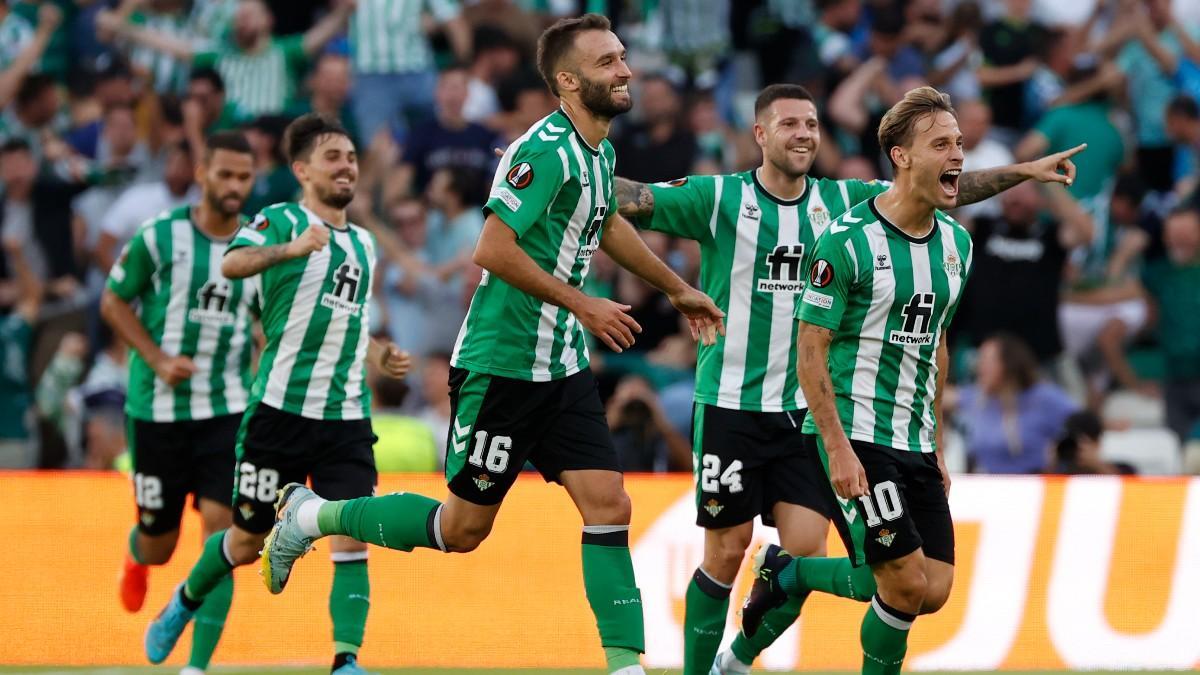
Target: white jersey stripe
<point>236,395</point>
<point>737,319</point>
<point>176,313</point>
<point>299,316</point>
<point>718,185</point>
<point>906,385</point>
<point>317,394</point>
<point>782,308</point>
<point>352,408</point>
<point>870,344</point>
<point>206,345</point>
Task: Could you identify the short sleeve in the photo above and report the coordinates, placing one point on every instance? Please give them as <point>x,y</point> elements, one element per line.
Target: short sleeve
<point>131,273</point>
<point>520,198</point>
<point>860,191</point>
<point>205,59</point>
<point>292,47</point>
<point>262,231</point>
<point>683,207</point>
<point>831,275</point>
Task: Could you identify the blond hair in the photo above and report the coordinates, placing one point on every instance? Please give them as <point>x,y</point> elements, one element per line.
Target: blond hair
<point>898,125</point>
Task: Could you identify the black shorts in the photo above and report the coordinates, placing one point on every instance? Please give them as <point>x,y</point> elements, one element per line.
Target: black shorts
<point>275,448</point>
<point>905,507</point>
<point>174,459</point>
<point>747,462</point>
<point>499,423</point>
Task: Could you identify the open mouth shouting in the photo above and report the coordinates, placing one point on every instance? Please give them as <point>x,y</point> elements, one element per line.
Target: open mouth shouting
<point>949,181</point>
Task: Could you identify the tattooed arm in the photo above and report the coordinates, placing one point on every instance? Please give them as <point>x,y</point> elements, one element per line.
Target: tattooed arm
<point>247,261</point>
<point>634,199</point>
<point>975,186</point>
<point>845,471</point>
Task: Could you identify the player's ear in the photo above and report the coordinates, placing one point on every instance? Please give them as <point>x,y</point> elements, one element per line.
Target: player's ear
<point>300,171</point>
<point>567,81</point>
<point>200,170</point>
<point>760,134</point>
<point>900,157</point>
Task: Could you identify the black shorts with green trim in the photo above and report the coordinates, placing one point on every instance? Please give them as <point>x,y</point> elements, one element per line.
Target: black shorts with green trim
<point>174,459</point>
<point>747,462</point>
<point>275,448</point>
<point>905,507</point>
<point>499,423</point>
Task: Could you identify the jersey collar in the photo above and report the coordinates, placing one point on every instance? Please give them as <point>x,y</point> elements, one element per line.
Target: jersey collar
<point>923,239</point>
<point>808,188</point>
<point>582,140</point>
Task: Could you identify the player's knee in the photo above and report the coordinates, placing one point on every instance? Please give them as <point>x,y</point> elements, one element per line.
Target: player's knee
<point>937,593</point>
<point>904,587</point>
<point>725,554</point>
<point>608,507</point>
<point>158,555</point>
<point>242,547</point>
<point>464,537</point>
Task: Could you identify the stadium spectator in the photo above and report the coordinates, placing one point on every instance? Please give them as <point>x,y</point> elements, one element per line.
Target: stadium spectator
<point>1183,128</point>
<point>273,178</point>
<point>955,64</point>
<point>1078,449</point>
<point>455,197</point>
<point>207,89</point>
<point>63,372</point>
<point>496,57</point>
<point>1150,61</point>
<point>1011,416</point>
<point>329,93</point>
<point>507,17</point>
<point>831,39</point>
<point>1020,258</point>
<point>1009,45</point>
<point>260,70</point>
<point>142,201</point>
<point>524,100</point>
<point>980,151</point>
<point>166,73</point>
<point>21,47</point>
<point>644,438</point>
<point>393,60</point>
<point>18,446</point>
<point>1174,286</point>
<point>448,140</point>
<point>659,147</point>
<point>34,115</point>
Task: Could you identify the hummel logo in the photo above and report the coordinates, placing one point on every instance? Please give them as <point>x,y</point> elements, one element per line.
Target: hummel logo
<point>459,437</point>
<point>850,513</point>
<point>836,229</point>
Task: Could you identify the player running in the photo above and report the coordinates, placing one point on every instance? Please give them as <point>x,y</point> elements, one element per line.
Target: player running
<point>754,229</point>
<point>520,386</point>
<point>884,282</point>
<point>309,408</point>
<point>189,374</point>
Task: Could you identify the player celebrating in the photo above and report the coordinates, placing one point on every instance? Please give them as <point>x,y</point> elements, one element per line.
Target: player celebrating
<point>189,375</point>
<point>754,229</point>
<point>883,285</point>
<point>521,387</point>
<point>308,415</point>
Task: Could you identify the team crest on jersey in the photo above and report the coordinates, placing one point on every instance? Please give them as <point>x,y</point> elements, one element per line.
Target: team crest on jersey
<point>483,482</point>
<point>344,298</point>
<point>520,176</point>
<point>819,217</point>
<point>213,304</point>
<point>820,274</point>
<point>713,507</point>
<point>952,265</point>
<point>886,537</point>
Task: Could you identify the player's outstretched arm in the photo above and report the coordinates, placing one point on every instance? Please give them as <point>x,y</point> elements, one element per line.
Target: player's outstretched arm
<point>976,186</point>
<point>845,471</point>
<point>623,244</point>
<point>247,261</point>
<point>634,199</point>
<point>498,253</point>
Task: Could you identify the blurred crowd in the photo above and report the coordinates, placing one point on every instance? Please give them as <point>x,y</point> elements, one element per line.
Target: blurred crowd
<point>1078,347</point>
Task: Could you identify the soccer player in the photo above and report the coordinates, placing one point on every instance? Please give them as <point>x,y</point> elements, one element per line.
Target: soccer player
<point>883,284</point>
<point>754,229</point>
<point>308,411</point>
<point>189,374</point>
<point>521,388</point>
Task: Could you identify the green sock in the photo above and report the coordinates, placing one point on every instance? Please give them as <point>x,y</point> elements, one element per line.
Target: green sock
<point>706,606</point>
<point>884,638</point>
<point>399,521</point>
<point>828,575</point>
<point>349,600</point>
<point>210,622</point>
<point>133,547</point>
<point>209,570</point>
<point>613,594</point>
<point>773,624</point>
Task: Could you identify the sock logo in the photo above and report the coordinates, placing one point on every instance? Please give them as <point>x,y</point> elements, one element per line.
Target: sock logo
<point>886,537</point>
<point>713,507</point>
<point>483,482</point>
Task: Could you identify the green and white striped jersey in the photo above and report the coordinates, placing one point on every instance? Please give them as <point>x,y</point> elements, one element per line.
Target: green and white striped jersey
<point>752,246</point>
<point>262,83</point>
<point>888,297</point>
<point>169,75</point>
<point>15,35</point>
<point>173,270</point>
<point>314,316</point>
<point>387,35</point>
<point>555,192</point>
